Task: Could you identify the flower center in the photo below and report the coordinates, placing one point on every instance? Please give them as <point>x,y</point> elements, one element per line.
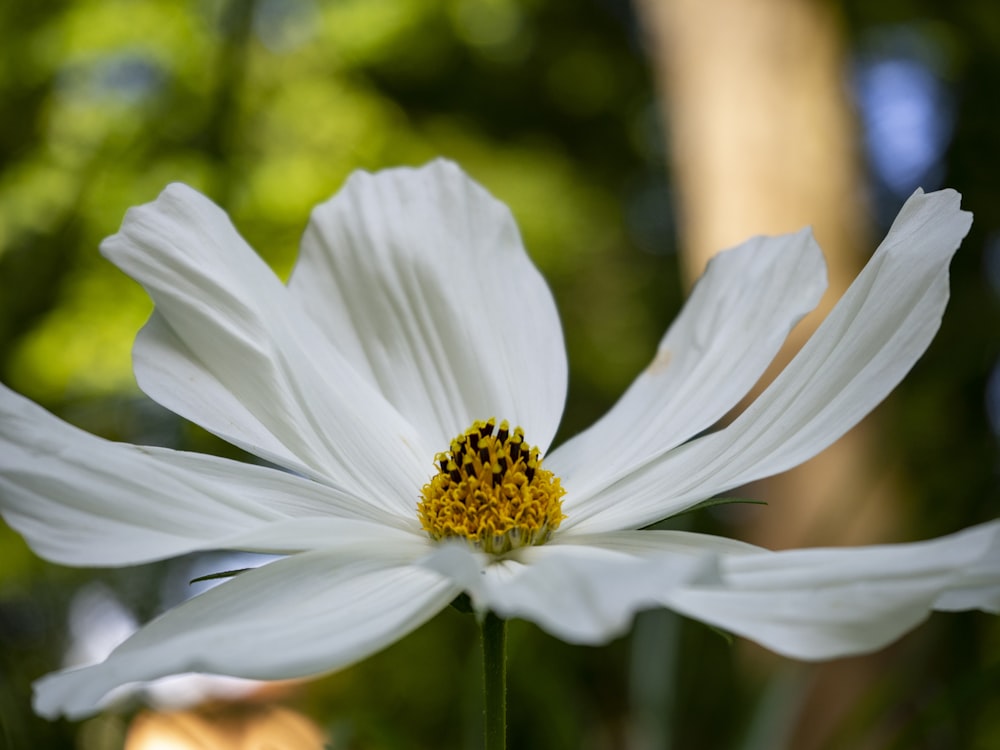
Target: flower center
<point>491,490</point>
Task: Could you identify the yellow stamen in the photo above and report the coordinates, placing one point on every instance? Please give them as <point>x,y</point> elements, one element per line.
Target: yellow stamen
<point>492,491</point>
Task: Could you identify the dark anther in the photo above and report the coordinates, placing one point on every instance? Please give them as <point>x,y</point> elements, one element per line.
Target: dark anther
<point>487,429</point>
<point>484,454</point>
<point>502,463</point>
<point>514,451</point>
<point>504,431</point>
<point>529,472</point>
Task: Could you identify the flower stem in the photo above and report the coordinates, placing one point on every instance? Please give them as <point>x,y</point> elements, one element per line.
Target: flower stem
<point>494,632</point>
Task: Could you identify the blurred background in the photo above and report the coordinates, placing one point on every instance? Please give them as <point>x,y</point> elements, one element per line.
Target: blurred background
<point>631,140</point>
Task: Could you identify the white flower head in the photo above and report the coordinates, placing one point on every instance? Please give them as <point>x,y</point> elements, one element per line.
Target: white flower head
<point>410,379</point>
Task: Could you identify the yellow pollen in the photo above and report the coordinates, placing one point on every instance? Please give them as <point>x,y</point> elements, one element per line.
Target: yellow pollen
<point>491,490</point>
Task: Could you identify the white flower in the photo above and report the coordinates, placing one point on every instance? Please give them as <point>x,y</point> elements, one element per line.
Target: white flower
<point>413,314</point>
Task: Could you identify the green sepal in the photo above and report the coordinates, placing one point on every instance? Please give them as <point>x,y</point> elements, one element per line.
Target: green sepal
<point>463,604</point>
<point>222,574</point>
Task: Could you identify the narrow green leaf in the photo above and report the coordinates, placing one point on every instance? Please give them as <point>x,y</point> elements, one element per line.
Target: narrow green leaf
<point>713,501</point>
<point>724,634</point>
<point>222,574</point>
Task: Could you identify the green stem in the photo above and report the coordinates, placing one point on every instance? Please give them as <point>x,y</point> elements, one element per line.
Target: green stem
<point>494,631</point>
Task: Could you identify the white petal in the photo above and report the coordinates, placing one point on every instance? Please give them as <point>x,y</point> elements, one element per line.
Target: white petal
<point>652,542</point>
<point>420,278</point>
<point>979,587</point>
<point>582,591</point>
<point>230,349</point>
<point>866,345</point>
<point>299,616</point>
<point>315,533</point>
<point>81,500</point>
<point>732,326</point>
<point>162,362</point>
<point>827,603</point>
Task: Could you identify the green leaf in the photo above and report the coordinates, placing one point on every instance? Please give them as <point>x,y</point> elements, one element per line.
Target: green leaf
<point>222,574</point>
<point>724,634</point>
<point>713,501</point>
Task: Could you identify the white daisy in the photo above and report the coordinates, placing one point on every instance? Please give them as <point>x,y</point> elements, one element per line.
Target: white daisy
<point>410,378</point>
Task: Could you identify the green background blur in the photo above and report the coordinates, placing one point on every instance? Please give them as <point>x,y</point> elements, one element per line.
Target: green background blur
<point>266,106</point>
